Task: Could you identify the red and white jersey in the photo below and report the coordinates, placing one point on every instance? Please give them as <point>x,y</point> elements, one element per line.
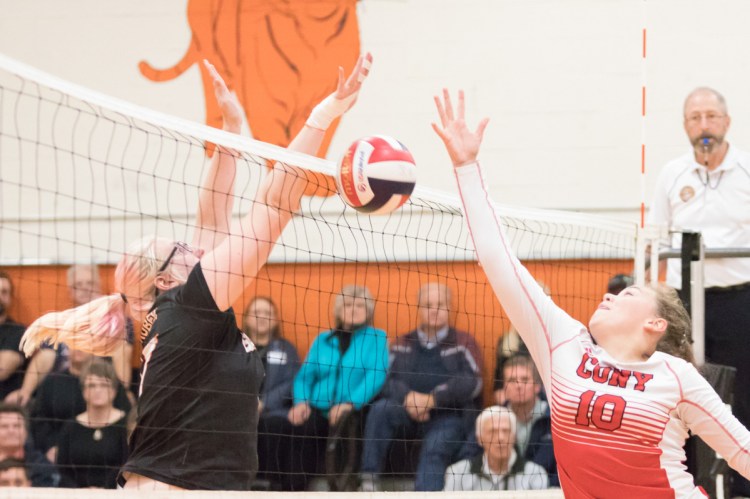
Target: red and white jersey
<point>618,428</point>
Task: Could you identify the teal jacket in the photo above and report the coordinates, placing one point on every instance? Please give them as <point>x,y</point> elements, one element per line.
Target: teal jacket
<point>327,379</point>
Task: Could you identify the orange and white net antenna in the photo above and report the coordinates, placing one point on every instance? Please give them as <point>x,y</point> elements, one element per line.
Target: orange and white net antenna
<point>645,236</point>
<point>643,115</point>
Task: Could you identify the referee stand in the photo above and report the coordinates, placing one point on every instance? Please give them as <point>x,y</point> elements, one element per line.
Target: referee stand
<point>710,470</point>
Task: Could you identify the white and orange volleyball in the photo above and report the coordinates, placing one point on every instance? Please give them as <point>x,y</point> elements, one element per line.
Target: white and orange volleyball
<point>376,175</point>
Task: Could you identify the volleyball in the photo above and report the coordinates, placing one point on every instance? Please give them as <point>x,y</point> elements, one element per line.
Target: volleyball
<point>376,175</point>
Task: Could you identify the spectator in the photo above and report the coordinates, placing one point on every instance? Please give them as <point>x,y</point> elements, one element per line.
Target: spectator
<point>281,362</point>
<point>15,444</point>
<point>618,282</point>
<point>13,473</point>
<point>84,285</point>
<point>499,467</point>
<point>708,190</point>
<point>94,445</point>
<point>59,399</point>
<point>344,369</point>
<point>509,345</point>
<point>433,381</point>
<point>12,361</point>
<point>533,424</point>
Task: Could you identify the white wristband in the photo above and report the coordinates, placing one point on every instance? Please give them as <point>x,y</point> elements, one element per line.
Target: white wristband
<point>328,110</point>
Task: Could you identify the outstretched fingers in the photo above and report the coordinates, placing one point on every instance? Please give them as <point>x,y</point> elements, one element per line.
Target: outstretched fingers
<point>461,143</point>
<point>230,109</point>
<point>440,132</point>
<point>448,104</point>
<point>350,85</point>
<point>220,88</point>
<point>364,67</point>
<point>480,128</point>
<point>441,111</point>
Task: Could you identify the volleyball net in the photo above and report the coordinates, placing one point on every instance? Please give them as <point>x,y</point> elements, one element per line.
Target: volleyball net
<point>82,175</point>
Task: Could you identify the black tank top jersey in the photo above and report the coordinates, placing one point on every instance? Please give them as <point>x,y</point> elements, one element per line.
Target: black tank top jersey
<point>198,407</point>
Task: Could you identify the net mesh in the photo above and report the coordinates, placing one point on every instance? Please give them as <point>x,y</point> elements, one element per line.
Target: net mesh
<point>82,175</point>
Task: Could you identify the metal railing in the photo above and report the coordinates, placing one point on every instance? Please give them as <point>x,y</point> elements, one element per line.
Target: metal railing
<point>693,254</point>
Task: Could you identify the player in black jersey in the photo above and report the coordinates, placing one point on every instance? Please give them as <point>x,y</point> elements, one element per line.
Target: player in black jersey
<point>198,399</point>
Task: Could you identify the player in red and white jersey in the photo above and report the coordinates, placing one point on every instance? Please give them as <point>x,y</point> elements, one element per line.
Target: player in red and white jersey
<point>621,406</point>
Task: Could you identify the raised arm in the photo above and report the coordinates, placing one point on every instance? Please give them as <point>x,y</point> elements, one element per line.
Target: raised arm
<point>216,196</point>
<point>233,265</point>
<point>541,324</point>
<point>708,417</point>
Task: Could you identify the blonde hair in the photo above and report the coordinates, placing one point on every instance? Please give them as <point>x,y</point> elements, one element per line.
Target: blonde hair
<point>138,268</point>
<point>98,327</point>
<point>354,291</point>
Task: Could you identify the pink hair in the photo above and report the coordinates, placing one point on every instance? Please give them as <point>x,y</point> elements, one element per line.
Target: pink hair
<point>98,327</point>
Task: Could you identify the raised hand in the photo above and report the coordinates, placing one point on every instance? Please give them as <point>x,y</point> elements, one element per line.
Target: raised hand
<point>350,86</point>
<point>230,108</point>
<point>343,98</point>
<point>461,143</point>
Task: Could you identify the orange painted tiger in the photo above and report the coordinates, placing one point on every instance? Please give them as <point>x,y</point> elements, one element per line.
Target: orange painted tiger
<point>277,55</point>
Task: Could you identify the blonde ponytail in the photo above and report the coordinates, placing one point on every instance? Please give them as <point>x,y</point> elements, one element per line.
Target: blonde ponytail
<point>96,327</point>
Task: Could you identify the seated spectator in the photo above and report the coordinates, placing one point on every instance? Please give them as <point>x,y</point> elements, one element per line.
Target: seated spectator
<point>533,422</point>
<point>618,282</point>
<point>12,361</point>
<point>281,362</point>
<point>509,345</point>
<point>499,466</point>
<point>83,286</point>
<point>430,392</point>
<point>16,444</point>
<point>94,445</point>
<point>344,369</point>
<point>13,473</point>
<point>59,399</point>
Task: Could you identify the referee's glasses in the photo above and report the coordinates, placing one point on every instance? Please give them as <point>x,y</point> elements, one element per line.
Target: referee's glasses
<point>710,118</point>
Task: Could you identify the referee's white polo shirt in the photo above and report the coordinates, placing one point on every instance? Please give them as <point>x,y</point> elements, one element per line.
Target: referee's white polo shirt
<point>717,204</point>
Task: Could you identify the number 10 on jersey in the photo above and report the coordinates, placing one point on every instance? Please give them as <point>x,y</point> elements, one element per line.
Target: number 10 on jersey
<point>605,412</point>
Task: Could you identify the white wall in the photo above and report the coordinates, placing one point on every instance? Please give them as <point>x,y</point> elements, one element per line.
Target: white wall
<point>560,79</point>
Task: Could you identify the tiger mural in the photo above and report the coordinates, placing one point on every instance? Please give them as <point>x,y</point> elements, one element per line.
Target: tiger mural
<point>277,55</point>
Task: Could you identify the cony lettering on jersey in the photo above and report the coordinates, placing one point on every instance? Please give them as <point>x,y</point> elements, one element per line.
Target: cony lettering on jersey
<point>590,368</point>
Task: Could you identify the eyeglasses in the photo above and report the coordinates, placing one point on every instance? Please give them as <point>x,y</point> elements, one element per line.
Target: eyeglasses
<point>710,117</point>
<point>91,386</point>
<point>520,381</point>
<point>184,247</point>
